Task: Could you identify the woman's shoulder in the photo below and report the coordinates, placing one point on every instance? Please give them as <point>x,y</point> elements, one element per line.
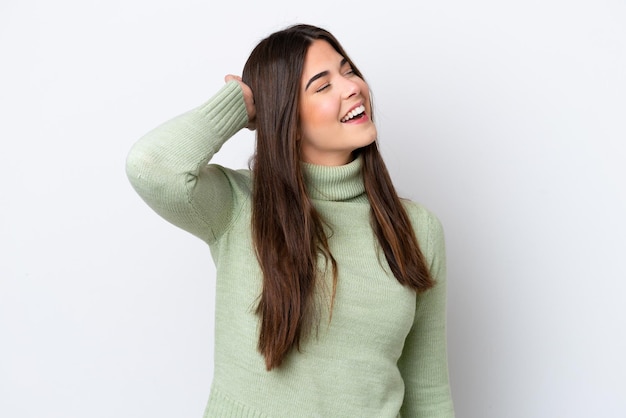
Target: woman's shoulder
<point>420,213</point>
<point>427,225</point>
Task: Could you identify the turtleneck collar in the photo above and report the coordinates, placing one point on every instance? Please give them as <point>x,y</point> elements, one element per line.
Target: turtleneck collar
<point>335,183</point>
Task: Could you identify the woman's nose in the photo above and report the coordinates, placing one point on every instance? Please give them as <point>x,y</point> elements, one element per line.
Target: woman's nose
<point>351,88</point>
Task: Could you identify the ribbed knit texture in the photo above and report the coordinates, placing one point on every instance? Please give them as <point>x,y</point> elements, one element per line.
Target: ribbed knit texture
<point>382,355</point>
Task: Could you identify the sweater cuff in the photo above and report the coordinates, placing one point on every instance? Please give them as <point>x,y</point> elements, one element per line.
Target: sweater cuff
<point>226,110</point>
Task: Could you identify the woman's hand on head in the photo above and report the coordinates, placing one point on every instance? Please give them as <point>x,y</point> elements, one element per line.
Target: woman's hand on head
<point>248,99</point>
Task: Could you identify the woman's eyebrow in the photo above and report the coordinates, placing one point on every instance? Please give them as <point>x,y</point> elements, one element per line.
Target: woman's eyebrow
<point>323,73</point>
<point>315,77</point>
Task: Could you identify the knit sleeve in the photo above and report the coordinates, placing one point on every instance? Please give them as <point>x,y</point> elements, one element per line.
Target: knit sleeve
<point>424,364</point>
<point>168,167</point>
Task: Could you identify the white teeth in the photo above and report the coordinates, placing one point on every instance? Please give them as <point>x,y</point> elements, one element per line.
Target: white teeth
<point>357,111</point>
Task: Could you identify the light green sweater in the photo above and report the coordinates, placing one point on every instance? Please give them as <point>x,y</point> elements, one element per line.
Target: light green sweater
<point>382,355</point>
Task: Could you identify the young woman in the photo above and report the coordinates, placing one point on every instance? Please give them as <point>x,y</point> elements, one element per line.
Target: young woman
<point>330,293</point>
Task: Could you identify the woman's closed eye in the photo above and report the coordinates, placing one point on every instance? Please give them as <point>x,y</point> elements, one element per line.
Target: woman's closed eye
<point>348,73</point>
<point>322,88</point>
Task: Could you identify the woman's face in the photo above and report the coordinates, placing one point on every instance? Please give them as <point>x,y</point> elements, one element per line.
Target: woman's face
<point>335,108</point>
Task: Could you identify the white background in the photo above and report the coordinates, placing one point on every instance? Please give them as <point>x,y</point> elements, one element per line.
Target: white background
<point>506,118</point>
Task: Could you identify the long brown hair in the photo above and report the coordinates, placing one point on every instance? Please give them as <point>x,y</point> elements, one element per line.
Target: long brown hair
<point>288,233</point>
